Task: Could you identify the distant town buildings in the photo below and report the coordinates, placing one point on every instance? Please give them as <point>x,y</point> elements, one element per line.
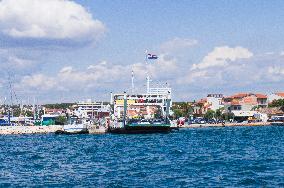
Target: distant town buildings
<point>92,108</point>
<point>245,101</point>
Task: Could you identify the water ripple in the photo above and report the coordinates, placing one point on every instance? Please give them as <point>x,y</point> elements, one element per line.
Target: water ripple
<point>207,157</point>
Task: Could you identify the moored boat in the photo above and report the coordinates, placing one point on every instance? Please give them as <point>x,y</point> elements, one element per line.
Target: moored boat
<point>75,126</point>
<point>277,120</point>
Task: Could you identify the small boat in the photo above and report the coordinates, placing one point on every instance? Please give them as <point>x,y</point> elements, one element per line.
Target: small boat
<point>75,126</point>
<point>277,120</point>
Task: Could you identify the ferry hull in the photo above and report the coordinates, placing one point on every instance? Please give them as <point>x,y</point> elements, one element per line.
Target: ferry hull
<point>141,129</point>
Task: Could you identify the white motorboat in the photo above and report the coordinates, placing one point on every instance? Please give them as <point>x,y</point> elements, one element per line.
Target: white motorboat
<point>75,126</point>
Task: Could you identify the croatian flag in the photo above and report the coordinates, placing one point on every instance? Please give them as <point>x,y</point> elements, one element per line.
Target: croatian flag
<point>152,56</point>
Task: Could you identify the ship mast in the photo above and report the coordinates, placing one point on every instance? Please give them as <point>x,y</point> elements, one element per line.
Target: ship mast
<point>132,82</point>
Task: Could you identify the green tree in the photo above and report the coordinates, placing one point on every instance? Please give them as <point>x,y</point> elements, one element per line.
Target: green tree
<point>17,112</point>
<point>178,113</point>
<point>227,116</point>
<point>209,114</point>
<point>218,113</point>
<point>277,103</point>
<point>60,120</point>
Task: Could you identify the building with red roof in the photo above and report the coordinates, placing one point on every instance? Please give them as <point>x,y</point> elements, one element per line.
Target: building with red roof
<point>245,101</point>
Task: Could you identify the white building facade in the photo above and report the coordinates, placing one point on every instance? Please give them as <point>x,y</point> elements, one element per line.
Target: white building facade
<point>215,101</point>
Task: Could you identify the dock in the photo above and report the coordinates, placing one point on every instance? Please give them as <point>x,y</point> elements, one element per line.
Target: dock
<point>6,130</point>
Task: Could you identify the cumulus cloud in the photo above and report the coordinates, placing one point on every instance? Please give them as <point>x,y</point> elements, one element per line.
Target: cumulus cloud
<point>260,72</point>
<point>222,56</point>
<point>276,70</point>
<point>101,74</point>
<point>48,19</point>
<point>178,44</point>
<point>16,65</point>
<point>275,73</point>
<point>38,81</point>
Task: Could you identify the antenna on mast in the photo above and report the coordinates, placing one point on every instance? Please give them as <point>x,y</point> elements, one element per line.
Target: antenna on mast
<point>132,82</point>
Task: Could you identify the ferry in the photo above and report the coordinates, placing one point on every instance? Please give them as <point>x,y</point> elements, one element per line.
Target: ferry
<point>141,113</point>
<point>147,112</point>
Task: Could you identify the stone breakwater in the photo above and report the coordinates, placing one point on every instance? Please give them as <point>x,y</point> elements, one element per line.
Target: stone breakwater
<point>226,125</point>
<point>29,129</point>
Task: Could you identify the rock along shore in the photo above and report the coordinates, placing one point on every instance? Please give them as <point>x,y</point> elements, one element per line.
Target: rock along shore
<point>226,125</point>
<point>29,129</point>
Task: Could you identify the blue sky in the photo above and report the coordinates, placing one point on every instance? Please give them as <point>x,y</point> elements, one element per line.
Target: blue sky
<point>57,50</point>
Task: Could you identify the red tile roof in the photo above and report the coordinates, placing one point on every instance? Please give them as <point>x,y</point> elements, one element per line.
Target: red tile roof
<point>261,96</point>
<point>202,101</point>
<point>235,103</point>
<point>242,95</point>
<point>281,94</point>
<point>239,95</point>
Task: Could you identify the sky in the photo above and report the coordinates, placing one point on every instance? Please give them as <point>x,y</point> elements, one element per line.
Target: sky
<point>65,51</point>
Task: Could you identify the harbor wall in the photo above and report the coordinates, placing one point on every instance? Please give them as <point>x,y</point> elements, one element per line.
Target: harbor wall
<point>29,129</point>
<point>225,125</point>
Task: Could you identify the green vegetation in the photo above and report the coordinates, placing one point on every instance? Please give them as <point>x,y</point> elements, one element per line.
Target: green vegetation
<point>178,113</point>
<point>59,105</point>
<point>60,120</point>
<point>219,113</point>
<point>182,109</point>
<point>209,114</point>
<point>277,103</point>
<point>227,116</point>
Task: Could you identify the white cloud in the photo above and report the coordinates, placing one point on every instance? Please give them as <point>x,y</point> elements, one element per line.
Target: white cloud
<point>38,81</point>
<point>49,19</point>
<point>194,76</point>
<point>68,78</point>
<point>222,56</point>
<point>178,44</point>
<point>276,70</point>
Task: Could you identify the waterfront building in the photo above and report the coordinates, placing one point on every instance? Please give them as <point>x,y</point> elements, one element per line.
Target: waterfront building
<point>215,101</point>
<point>200,107</point>
<point>54,111</point>
<point>243,105</point>
<point>211,102</point>
<point>92,108</point>
<point>245,101</point>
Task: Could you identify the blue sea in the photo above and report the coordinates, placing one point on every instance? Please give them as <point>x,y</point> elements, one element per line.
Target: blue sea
<point>199,157</point>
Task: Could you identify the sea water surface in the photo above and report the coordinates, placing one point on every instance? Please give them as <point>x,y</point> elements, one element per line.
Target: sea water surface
<point>204,157</point>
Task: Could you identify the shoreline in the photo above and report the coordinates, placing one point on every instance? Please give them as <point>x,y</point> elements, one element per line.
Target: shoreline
<point>9,130</point>
<point>226,125</point>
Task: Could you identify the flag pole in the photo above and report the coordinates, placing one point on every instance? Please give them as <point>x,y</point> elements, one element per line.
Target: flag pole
<point>147,72</point>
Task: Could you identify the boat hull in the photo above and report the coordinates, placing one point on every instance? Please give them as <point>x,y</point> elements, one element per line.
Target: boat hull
<point>277,123</point>
<point>73,129</point>
<point>146,129</point>
<point>72,132</point>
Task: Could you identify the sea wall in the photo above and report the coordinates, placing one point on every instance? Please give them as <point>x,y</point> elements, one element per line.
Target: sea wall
<point>226,125</point>
<point>29,129</point>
